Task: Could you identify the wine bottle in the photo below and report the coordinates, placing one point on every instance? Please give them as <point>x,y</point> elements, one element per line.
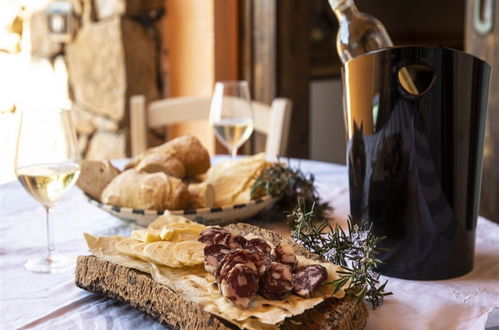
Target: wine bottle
<point>360,33</point>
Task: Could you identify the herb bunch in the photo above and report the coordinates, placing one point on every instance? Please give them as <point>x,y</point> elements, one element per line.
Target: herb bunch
<point>355,252</point>
<point>280,180</point>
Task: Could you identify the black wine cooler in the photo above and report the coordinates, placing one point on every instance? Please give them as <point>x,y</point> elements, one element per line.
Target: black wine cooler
<point>415,121</point>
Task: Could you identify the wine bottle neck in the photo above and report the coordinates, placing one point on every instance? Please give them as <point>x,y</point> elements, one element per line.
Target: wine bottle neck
<point>343,9</point>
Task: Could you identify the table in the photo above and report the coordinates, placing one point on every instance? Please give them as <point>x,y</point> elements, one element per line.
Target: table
<point>41,301</point>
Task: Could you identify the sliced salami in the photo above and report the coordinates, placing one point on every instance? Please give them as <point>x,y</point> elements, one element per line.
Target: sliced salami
<point>234,257</point>
<point>307,279</point>
<point>262,262</point>
<point>213,254</point>
<point>285,254</point>
<point>259,245</point>
<point>230,240</point>
<point>207,236</point>
<point>222,238</point>
<point>276,282</point>
<point>240,285</point>
<point>238,242</point>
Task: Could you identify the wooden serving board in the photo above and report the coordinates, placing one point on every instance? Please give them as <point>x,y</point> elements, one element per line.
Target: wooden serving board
<point>140,291</point>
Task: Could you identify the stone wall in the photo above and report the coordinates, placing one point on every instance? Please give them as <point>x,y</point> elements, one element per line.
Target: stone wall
<point>113,56</point>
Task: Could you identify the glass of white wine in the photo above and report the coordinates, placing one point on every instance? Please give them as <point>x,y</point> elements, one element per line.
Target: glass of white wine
<point>47,165</point>
<point>231,114</point>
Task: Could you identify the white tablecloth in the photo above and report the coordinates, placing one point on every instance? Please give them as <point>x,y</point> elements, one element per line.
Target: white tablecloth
<point>29,300</point>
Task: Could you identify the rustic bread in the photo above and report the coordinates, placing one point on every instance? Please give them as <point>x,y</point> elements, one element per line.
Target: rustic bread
<point>201,195</point>
<point>141,292</point>
<point>149,191</point>
<point>95,176</point>
<point>158,162</point>
<point>182,156</point>
<point>232,180</point>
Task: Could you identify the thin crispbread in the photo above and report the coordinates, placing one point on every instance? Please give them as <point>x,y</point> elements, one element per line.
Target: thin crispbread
<point>173,309</point>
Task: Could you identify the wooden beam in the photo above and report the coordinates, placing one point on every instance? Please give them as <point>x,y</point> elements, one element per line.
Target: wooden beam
<point>486,47</point>
<point>293,70</point>
<point>189,33</point>
<point>201,37</point>
<point>226,46</point>
<point>275,60</point>
<point>264,49</point>
<point>226,40</point>
<point>246,41</point>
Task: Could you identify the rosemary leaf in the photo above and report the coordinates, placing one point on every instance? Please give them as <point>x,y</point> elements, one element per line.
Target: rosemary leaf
<point>355,252</point>
<point>280,180</point>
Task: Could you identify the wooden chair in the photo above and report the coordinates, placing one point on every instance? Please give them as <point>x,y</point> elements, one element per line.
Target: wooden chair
<point>271,120</point>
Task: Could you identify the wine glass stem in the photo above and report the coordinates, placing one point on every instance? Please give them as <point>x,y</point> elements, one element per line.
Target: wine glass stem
<point>233,152</point>
<point>50,235</point>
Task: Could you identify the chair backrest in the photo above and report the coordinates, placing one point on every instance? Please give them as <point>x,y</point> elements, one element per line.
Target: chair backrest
<point>274,120</point>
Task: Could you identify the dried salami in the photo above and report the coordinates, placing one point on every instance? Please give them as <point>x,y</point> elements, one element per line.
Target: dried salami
<point>285,254</point>
<point>307,279</point>
<point>234,257</point>
<point>276,282</point>
<point>207,236</point>
<point>240,285</point>
<point>222,238</point>
<point>213,254</point>
<point>229,240</point>
<point>238,242</point>
<point>259,245</point>
<point>262,262</point>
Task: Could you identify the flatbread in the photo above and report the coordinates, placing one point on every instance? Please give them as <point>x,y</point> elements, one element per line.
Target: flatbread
<point>131,247</point>
<point>232,180</point>
<point>197,285</point>
<point>189,253</point>
<point>161,253</point>
<point>166,219</point>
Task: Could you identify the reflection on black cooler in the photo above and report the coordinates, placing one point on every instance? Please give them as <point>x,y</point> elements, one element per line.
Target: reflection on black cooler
<point>415,159</point>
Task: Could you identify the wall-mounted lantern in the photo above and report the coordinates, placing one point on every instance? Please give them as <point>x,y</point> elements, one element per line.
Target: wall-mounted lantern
<point>61,20</point>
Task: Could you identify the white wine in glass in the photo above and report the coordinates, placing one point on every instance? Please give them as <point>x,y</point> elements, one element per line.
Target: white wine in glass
<point>231,114</point>
<point>47,165</point>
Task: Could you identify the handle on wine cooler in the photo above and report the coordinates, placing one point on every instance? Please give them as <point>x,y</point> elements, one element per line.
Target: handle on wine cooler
<point>483,16</point>
<point>415,79</point>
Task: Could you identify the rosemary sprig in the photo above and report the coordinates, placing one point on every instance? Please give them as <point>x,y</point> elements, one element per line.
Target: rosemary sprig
<point>280,180</point>
<point>355,252</point>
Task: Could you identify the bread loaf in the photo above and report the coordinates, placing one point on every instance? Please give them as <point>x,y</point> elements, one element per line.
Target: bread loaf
<point>95,176</point>
<point>201,195</point>
<point>158,162</point>
<point>149,191</point>
<point>232,180</point>
<point>182,156</point>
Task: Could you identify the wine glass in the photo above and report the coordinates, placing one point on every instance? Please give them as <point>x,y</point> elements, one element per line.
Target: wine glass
<point>231,115</point>
<point>47,165</point>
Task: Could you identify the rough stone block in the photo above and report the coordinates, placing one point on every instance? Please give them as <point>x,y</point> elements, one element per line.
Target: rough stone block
<point>82,121</point>
<point>86,122</point>
<point>82,143</point>
<point>106,145</point>
<point>41,45</point>
<point>108,62</point>
<point>135,8</point>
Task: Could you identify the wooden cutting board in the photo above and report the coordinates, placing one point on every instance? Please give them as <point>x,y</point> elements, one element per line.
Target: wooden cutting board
<point>141,292</point>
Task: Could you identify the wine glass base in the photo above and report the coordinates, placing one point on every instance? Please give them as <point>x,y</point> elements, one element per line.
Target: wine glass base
<point>55,264</point>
